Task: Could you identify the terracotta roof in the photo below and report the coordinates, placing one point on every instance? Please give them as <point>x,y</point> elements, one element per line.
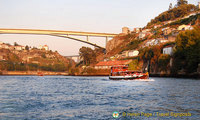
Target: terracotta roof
<point>113,63</point>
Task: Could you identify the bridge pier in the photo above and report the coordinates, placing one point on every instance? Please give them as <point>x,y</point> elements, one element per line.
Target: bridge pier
<point>87,38</point>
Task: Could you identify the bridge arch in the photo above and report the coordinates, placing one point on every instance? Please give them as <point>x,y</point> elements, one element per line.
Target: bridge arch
<point>63,34</point>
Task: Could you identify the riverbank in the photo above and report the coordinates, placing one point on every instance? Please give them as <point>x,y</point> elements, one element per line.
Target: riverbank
<point>32,73</point>
<point>46,73</point>
<point>196,76</point>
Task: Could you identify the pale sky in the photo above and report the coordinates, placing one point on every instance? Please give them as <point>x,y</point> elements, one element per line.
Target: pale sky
<point>104,16</point>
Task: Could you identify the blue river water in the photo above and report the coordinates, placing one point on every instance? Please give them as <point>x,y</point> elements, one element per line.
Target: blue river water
<point>92,98</point>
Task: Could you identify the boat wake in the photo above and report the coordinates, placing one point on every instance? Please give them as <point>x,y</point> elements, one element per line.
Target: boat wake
<point>145,80</point>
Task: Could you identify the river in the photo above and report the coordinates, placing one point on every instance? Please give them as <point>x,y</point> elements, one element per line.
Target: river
<point>74,98</point>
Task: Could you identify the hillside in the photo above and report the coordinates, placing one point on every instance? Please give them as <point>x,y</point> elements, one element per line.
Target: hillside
<point>162,43</point>
<point>173,14</point>
<point>32,60</point>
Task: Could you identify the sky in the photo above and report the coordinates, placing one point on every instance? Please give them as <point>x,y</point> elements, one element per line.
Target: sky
<point>103,16</point>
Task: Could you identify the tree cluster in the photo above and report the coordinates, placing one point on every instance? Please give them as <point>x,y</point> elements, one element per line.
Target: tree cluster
<point>174,13</point>
<point>17,66</point>
<point>187,54</point>
<point>87,55</point>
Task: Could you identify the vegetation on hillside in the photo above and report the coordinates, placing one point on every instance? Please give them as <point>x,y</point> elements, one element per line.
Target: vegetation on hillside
<point>174,13</point>
<point>39,60</point>
<point>88,55</point>
<point>187,53</point>
<point>194,19</point>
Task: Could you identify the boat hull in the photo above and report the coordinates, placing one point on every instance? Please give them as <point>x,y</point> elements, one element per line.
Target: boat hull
<point>128,77</point>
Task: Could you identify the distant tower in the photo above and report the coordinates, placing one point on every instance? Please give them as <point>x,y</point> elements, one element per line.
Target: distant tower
<point>170,6</point>
<point>125,30</point>
<point>198,5</point>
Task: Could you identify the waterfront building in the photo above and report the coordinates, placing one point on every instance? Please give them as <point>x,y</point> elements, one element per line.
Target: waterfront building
<point>109,64</point>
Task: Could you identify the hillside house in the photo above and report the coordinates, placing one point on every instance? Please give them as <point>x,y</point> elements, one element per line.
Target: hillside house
<point>157,26</point>
<point>155,42</point>
<point>109,64</point>
<point>168,50</point>
<point>142,35</point>
<point>137,30</point>
<point>184,27</point>
<point>133,53</point>
<point>5,46</point>
<point>146,30</point>
<point>27,58</point>
<point>166,31</point>
<point>19,47</point>
<point>43,47</point>
<point>125,30</point>
<point>76,58</point>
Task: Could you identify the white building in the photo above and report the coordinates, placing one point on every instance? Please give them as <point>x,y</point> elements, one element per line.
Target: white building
<point>142,35</point>
<point>76,58</point>
<point>133,53</point>
<point>185,27</point>
<point>45,47</point>
<point>168,50</point>
<point>19,47</point>
<point>5,46</point>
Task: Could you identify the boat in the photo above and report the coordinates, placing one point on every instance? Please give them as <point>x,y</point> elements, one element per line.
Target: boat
<point>122,73</point>
<point>40,74</point>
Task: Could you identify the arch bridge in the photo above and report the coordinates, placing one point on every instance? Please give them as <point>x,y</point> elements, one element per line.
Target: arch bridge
<point>58,33</point>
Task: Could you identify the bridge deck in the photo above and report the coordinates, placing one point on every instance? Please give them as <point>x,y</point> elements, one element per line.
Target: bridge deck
<point>50,32</point>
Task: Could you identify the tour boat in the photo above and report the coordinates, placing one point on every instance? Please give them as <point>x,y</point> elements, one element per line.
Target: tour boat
<point>122,73</point>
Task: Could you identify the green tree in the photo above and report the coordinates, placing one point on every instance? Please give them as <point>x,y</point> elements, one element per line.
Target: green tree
<point>16,44</point>
<point>26,47</point>
<point>187,54</point>
<point>88,55</point>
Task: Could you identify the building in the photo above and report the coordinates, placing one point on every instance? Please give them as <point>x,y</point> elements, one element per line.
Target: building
<point>76,58</point>
<point>19,47</point>
<point>157,26</point>
<point>45,47</point>
<point>125,30</point>
<point>142,35</point>
<point>133,53</point>
<point>137,30</point>
<point>5,46</point>
<point>198,6</point>
<point>166,31</point>
<point>146,30</point>
<point>109,64</point>
<point>168,50</point>
<point>184,27</point>
<point>153,42</point>
<point>124,54</point>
